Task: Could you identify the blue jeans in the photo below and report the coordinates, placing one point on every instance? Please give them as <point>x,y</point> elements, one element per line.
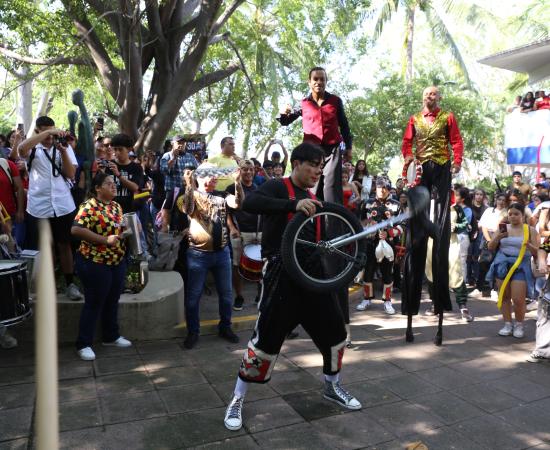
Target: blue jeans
<point>198,265</point>
<point>103,285</point>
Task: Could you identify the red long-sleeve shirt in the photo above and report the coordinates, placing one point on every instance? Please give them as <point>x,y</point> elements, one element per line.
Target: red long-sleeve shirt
<point>453,134</point>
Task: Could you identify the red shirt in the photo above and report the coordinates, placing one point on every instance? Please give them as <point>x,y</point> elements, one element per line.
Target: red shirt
<point>453,134</point>
<point>543,104</point>
<point>7,192</point>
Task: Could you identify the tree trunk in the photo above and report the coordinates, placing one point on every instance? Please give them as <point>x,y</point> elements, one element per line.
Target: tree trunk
<point>409,43</point>
<point>24,108</point>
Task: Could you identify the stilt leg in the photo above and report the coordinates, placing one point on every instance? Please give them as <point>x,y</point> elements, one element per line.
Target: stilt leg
<point>438,340</point>
<point>409,337</point>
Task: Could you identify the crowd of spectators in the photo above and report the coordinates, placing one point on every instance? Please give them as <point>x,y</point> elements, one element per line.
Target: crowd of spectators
<point>530,102</point>
<point>199,197</point>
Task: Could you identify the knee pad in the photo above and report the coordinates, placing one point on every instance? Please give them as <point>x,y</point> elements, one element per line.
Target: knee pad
<point>256,365</point>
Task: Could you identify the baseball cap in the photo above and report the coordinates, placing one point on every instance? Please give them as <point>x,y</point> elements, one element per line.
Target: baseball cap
<point>177,138</point>
<point>516,172</point>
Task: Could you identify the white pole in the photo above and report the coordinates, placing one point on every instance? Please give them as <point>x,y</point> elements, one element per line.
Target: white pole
<point>47,421</point>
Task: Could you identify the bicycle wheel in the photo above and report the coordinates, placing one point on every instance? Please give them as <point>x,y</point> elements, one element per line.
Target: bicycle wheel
<point>317,262</point>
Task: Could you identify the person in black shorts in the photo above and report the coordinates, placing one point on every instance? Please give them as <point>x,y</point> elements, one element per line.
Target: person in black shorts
<point>285,304</point>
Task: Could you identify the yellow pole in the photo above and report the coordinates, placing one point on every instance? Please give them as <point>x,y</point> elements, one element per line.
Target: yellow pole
<point>47,421</point>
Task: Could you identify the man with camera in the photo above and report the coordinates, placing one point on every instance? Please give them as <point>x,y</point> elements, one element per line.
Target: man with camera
<point>52,166</point>
<point>172,166</point>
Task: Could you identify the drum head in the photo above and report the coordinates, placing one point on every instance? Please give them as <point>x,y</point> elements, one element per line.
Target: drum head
<point>253,251</point>
<point>411,172</point>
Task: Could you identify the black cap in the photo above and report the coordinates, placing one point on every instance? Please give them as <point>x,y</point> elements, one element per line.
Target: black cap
<point>516,172</point>
<point>383,182</point>
<point>177,138</point>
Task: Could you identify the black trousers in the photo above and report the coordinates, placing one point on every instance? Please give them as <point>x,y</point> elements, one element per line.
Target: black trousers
<point>283,306</point>
<point>386,266</point>
<point>437,178</point>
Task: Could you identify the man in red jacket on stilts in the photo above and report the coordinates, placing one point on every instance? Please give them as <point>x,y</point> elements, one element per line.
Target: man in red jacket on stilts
<point>325,124</point>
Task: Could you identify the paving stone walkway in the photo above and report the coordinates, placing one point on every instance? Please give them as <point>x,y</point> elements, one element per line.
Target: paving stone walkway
<point>474,392</point>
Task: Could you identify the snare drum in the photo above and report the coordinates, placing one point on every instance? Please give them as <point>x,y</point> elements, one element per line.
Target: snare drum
<point>250,265</point>
<point>14,304</point>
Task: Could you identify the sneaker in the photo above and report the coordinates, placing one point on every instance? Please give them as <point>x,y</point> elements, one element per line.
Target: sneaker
<point>388,308</point>
<point>337,394</point>
<point>532,306</point>
<point>465,314</point>
<point>365,303</point>
<point>429,311</point>
<point>506,330</point>
<point>120,342</point>
<point>494,296</point>
<point>191,340</point>
<point>475,293</point>
<point>73,293</point>
<point>518,330</point>
<point>238,304</point>
<point>7,340</point>
<point>234,414</point>
<point>86,354</point>
<point>228,335</point>
<point>486,293</point>
<point>534,357</point>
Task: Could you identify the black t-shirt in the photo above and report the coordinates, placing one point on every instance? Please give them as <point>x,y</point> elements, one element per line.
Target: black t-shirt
<point>124,197</point>
<point>246,222</point>
<point>158,194</point>
<point>271,200</point>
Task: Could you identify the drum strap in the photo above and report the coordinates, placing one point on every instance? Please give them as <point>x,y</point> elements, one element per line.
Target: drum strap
<point>292,196</point>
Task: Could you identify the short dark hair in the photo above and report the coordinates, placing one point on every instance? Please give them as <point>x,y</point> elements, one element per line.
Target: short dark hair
<point>224,140</point>
<point>464,193</point>
<point>267,164</point>
<point>307,152</point>
<point>98,181</point>
<point>122,140</point>
<point>275,154</point>
<point>516,172</point>
<point>44,121</point>
<point>518,206</point>
<point>315,69</point>
<point>277,165</point>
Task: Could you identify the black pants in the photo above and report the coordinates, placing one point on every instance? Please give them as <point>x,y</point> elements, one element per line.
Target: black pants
<point>437,178</point>
<point>283,306</point>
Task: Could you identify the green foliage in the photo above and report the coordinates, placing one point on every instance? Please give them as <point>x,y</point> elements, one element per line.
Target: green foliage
<point>378,117</point>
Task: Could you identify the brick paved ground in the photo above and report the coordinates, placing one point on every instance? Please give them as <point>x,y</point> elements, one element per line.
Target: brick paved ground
<point>474,392</point>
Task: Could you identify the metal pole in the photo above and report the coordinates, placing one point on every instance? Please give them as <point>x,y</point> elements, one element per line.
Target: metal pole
<point>47,422</point>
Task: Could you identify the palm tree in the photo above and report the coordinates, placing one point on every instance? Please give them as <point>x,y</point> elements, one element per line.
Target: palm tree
<point>438,28</point>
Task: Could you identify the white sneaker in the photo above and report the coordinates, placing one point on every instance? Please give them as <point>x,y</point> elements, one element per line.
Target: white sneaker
<point>86,354</point>
<point>388,308</point>
<point>494,296</point>
<point>73,293</point>
<point>507,329</point>
<point>518,330</point>
<point>532,306</point>
<point>475,293</point>
<point>7,340</point>
<point>234,414</point>
<point>336,393</point>
<point>363,305</point>
<point>120,342</point>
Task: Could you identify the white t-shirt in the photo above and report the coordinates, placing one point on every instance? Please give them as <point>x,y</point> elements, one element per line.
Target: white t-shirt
<point>490,219</point>
<point>49,195</point>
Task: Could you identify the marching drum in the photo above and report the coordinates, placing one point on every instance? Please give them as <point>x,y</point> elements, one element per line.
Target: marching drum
<point>250,265</point>
<point>14,304</point>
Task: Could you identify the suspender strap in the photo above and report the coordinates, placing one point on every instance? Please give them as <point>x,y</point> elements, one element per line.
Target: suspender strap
<point>292,196</point>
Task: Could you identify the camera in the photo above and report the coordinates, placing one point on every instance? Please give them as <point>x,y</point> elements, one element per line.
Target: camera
<point>61,140</point>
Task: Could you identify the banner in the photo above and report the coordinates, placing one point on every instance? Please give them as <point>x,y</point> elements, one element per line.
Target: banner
<point>524,134</point>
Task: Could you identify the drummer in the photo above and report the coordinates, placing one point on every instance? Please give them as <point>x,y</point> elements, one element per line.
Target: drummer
<point>244,229</point>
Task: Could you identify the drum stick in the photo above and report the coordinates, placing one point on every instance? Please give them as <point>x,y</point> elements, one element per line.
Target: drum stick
<point>142,195</point>
<point>47,422</point>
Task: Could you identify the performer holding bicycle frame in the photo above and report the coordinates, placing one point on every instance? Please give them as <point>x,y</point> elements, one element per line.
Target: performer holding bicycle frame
<point>285,304</point>
<point>433,130</point>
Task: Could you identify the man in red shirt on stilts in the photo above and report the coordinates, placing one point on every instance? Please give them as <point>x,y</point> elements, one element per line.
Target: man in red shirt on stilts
<point>434,131</point>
